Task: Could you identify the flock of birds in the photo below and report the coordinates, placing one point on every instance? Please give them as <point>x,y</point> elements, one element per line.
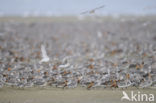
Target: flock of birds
<point>104,60</point>
<point>92,74</point>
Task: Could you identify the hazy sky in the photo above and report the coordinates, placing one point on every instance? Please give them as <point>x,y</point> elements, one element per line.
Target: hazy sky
<point>75,7</point>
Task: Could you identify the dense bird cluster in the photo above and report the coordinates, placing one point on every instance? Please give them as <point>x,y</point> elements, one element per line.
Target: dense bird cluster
<point>115,54</point>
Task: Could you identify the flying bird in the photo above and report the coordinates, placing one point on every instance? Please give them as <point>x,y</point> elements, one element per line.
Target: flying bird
<point>45,57</point>
<point>125,96</point>
<point>93,10</point>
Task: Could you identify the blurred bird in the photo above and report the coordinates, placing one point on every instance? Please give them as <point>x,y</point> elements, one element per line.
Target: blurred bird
<point>148,82</point>
<point>64,66</point>
<point>90,85</point>
<point>93,10</point>
<point>45,57</point>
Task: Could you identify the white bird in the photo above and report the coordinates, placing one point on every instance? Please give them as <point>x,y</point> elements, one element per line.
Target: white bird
<point>64,66</point>
<point>99,34</point>
<point>45,57</point>
<point>128,83</point>
<point>125,96</point>
<point>147,83</point>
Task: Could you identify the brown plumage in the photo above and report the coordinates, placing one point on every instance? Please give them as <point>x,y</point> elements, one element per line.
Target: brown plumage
<point>91,66</point>
<point>90,85</point>
<point>114,84</point>
<point>9,69</point>
<point>127,76</point>
<point>65,84</point>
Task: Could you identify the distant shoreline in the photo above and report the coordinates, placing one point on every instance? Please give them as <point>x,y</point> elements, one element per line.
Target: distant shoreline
<point>74,18</point>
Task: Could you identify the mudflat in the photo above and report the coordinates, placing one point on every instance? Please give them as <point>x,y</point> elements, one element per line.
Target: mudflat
<point>59,95</point>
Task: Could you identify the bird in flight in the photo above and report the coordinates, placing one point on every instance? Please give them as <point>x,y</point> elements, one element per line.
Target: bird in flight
<point>45,57</point>
<point>93,10</point>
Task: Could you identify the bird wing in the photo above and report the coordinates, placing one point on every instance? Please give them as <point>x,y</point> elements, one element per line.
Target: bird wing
<point>44,53</point>
<point>99,7</point>
<point>85,12</point>
<point>93,10</point>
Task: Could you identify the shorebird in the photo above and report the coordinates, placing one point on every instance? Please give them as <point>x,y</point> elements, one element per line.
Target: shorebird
<point>90,85</point>
<point>64,66</point>
<point>147,82</point>
<point>127,82</point>
<point>45,57</point>
<point>99,34</point>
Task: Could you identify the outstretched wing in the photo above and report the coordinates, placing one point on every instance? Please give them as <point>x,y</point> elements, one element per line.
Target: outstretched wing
<point>85,12</point>
<point>93,10</point>
<point>45,57</point>
<point>44,53</point>
<point>99,7</point>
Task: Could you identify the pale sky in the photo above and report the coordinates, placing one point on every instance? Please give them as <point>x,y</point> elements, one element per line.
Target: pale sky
<point>75,7</point>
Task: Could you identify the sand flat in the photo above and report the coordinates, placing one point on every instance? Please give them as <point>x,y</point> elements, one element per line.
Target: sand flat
<point>58,95</point>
